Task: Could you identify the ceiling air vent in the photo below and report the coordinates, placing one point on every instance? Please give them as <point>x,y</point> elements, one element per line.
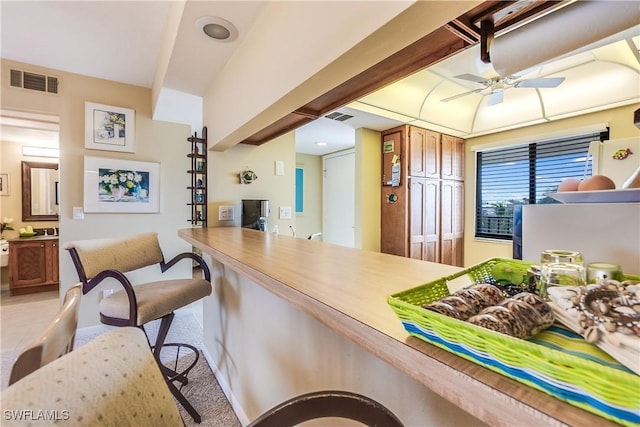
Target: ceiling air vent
<point>337,116</point>
<point>33,81</point>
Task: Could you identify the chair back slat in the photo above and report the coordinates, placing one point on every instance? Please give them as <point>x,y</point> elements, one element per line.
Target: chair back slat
<point>123,254</point>
<point>54,342</point>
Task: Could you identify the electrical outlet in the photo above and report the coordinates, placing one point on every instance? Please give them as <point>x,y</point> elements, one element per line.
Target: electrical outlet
<point>285,212</point>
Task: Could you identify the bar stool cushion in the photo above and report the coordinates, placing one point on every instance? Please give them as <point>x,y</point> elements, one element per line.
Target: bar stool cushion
<point>113,380</point>
<point>155,299</point>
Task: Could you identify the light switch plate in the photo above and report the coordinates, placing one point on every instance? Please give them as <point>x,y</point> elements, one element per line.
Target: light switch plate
<point>285,212</point>
<point>78,213</point>
<point>279,167</point>
<point>225,213</point>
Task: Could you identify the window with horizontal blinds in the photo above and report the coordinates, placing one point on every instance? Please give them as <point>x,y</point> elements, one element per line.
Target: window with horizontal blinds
<point>524,174</point>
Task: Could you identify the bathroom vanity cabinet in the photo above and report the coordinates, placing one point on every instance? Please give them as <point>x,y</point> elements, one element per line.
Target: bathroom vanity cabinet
<point>33,265</point>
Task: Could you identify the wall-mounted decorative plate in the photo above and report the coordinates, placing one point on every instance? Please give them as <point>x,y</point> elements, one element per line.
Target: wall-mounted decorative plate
<point>247,177</point>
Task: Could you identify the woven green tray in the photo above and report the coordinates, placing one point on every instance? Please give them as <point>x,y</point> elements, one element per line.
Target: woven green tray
<point>608,392</point>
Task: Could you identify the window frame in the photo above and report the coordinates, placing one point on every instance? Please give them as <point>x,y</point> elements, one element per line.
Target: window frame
<point>536,152</point>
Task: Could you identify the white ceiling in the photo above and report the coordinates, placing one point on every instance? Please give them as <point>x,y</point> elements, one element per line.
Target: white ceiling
<point>123,41</point>
<point>600,78</point>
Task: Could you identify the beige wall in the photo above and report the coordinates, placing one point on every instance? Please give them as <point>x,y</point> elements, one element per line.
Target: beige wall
<point>225,187</point>
<point>310,221</point>
<point>368,177</point>
<point>620,121</point>
<point>160,142</point>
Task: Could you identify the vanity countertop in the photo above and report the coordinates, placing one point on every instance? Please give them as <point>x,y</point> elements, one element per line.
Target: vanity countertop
<point>38,237</point>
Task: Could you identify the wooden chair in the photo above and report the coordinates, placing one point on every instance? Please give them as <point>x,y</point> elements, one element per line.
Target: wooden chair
<point>322,404</point>
<point>97,260</point>
<point>54,342</point>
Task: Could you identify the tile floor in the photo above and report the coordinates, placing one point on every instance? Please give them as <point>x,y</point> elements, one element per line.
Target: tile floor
<point>24,317</point>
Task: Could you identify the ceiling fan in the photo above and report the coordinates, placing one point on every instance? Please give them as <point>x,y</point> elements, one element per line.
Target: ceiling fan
<point>497,85</point>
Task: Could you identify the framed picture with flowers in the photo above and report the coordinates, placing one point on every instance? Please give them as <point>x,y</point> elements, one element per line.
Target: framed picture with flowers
<point>109,128</point>
<point>115,185</point>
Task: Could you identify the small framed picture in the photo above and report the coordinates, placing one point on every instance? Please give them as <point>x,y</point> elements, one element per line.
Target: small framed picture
<point>5,187</point>
<point>109,128</point>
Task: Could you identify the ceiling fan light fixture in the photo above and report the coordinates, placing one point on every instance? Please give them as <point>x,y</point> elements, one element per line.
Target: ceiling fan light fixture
<point>216,28</point>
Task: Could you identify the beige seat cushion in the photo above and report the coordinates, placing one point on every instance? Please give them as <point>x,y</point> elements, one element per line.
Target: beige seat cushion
<point>156,299</point>
<point>111,381</point>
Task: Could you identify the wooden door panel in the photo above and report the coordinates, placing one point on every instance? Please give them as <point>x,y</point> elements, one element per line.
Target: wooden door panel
<point>393,223</point>
<point>416,218</point>
<point>452,154</point>
<point>416,155</point>
<point>53,274</point>
<point>432,154</point>
<point>458,224</point>
<point>28,265</point>
<point>432,220</point>
<point>447,251</point>
<point>452,222</point>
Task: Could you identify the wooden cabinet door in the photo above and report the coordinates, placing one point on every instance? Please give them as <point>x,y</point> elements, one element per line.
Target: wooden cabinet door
<point>27,264</point>
<point>452,154</point>
<point>53,269</point>
<point>432,154</point>
<point>415,155</point>
<point>393,221</point>
<point>424,234</point>
<point>424,153</point>
<point>452,223</point>
<point>432,220</point>
<point>417,226</point>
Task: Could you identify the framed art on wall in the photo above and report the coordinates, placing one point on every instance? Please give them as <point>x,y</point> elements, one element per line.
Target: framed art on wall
<point>114,185</point>
<point>109,128</point>
<point>4,184</point>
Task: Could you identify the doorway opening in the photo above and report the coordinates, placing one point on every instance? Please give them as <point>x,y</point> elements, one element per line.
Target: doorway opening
<point>29,204</point>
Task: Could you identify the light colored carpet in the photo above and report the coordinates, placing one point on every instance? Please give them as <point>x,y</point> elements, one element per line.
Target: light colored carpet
<point>203,391</point>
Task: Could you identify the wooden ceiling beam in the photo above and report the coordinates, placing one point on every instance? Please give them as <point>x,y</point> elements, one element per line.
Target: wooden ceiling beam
<point>430,49</point>
<point>440,44</point>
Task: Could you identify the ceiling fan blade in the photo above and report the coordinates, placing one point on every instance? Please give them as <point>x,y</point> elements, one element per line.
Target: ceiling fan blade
<point>495,97</point>
<point>460,95</point>
<point>540,83</point>
<point>471,78</point>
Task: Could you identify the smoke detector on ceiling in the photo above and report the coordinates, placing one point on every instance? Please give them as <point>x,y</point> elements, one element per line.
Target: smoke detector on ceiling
<point>216,28</point>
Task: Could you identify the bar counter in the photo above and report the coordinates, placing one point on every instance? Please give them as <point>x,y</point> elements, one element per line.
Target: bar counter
<point>345,290</point>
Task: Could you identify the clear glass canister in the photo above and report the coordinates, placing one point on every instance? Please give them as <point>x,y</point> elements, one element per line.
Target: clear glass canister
<point>560,268</point>
<point>556,255</point>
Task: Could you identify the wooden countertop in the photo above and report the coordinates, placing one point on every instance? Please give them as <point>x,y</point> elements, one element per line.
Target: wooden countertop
<point>346,289</point>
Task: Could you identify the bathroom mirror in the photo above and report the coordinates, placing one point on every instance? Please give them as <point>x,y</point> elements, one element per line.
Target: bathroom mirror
<point>40,183</point>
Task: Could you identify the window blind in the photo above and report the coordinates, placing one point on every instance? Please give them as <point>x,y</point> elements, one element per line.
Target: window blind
<point>524,174</point>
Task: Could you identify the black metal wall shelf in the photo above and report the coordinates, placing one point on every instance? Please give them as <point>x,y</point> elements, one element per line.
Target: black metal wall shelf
<point>198,172</point>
